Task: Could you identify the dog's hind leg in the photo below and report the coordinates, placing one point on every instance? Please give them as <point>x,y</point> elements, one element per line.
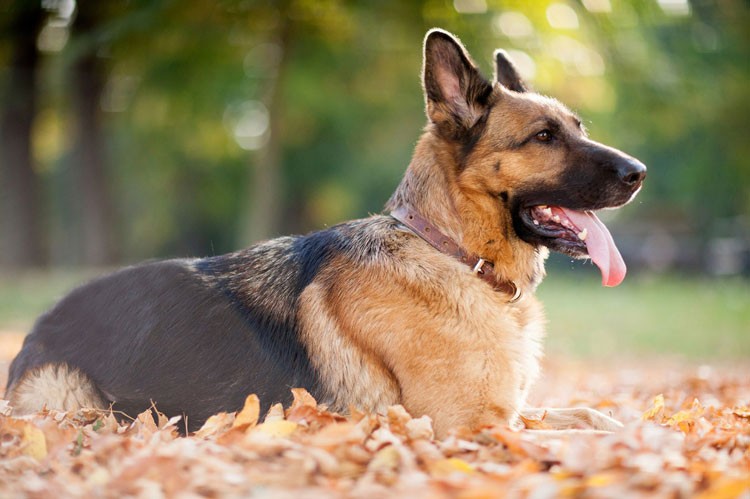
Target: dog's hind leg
<point>54,386</point>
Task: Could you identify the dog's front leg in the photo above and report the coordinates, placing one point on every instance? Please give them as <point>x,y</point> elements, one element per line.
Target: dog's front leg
<point>572,418</point>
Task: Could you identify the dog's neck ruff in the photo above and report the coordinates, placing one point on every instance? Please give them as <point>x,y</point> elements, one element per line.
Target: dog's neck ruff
<point>482,268</point>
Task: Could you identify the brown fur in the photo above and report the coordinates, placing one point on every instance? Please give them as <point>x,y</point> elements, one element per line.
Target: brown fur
<point>483,352</point>
<point>424,333</point>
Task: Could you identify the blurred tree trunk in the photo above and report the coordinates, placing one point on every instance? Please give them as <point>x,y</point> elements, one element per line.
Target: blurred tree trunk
<point>89,168</point>
<point>265,189</point>
<point>20,238</point>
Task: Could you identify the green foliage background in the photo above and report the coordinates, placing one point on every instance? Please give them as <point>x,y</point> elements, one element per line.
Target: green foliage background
<point>348,106</point>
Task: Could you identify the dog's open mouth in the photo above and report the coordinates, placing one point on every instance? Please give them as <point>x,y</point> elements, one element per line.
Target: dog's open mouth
<point>577,233</point>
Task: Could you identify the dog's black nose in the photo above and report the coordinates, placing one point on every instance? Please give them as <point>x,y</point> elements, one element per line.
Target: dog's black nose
<point>631,171</point>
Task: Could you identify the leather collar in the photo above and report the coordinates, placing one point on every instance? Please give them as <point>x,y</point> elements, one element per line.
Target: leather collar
<point>479,266</point>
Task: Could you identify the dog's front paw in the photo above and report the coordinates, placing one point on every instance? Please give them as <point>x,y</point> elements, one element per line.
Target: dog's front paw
<point>573,418</point>
<point>596,420</point>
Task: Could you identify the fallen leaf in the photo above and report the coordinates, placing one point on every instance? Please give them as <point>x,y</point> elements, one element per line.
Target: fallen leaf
<point>216,424</point>
<point>420,428</point>
<point>656,412</point>
<point>699,446</point>
<point>334,435</point>
<point>727,488</point>
<point>33,442</point>
<point>21,437</point>
<point>174,420</point>
<point>386,458</point>
<point>445,467</point>
<point>600,480</point>
<point>249,414</point>
<point>275,413</point>
<point>302,398</point>
<point>277,428</point>
<point>685,420</point>
<point>145,422</point>
<point>312,416</point>
<point>398,418</point>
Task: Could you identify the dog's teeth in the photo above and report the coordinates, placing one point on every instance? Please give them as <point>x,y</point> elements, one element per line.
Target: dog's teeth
<point>547,212</point>
<point>582,235</point>
<point>556,219</point>
<point>536,222</point>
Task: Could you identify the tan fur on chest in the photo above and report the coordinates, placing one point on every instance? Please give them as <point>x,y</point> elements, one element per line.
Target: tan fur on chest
<point>422,331</point>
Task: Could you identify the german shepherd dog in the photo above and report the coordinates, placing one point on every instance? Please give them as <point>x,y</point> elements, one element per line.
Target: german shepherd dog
<point>430,305</point>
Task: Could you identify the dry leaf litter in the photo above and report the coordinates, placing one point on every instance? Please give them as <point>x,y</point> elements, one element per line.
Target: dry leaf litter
<point>687,434</point>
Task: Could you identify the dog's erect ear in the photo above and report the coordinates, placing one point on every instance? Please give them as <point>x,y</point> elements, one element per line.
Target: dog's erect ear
<point>506,73</point>
<point>455,92</point>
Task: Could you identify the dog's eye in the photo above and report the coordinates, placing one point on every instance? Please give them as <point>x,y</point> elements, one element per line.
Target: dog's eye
<point>544,136</point>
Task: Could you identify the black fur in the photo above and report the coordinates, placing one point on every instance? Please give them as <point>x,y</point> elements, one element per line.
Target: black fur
<point>193,337</point>
<point>592,180</point>
<point>197,336</point>
<point>506,73</point>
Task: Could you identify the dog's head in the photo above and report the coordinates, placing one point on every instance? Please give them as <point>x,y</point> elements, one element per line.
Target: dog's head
<point>529,153</point>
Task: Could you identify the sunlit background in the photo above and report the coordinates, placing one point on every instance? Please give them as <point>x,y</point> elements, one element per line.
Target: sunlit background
<point>139,129</point>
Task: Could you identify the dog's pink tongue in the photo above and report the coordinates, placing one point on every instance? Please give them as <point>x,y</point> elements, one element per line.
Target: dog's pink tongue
<point>600,245</point>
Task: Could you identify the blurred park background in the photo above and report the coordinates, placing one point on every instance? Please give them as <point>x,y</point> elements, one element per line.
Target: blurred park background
<point>139,129</point>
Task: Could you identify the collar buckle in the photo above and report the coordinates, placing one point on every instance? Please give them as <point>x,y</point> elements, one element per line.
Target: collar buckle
<point>478,267</point>
<point>429,233</point>
<point>516,294</point>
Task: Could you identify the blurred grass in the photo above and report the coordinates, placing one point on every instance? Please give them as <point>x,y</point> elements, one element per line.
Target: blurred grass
<point>25,295</point>
<point>696,318</point>
<point>674,316</point>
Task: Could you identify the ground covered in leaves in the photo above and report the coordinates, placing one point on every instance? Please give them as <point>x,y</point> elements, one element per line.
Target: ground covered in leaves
<point>687,433</point>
